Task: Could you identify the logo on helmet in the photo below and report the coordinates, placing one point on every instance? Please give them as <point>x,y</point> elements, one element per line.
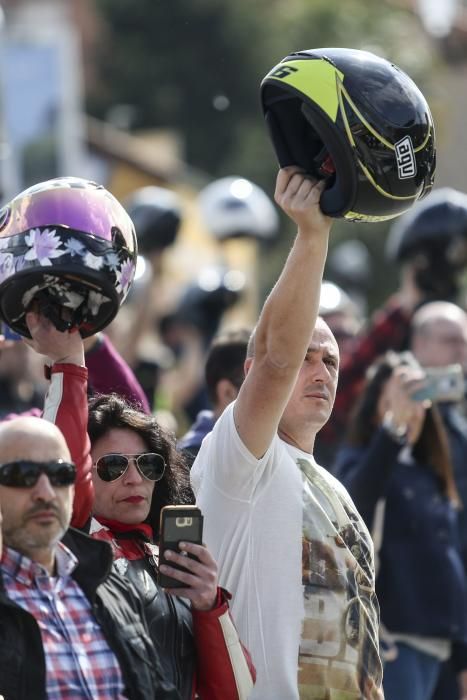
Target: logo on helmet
<point>283,71</point>
<point>406,164</point>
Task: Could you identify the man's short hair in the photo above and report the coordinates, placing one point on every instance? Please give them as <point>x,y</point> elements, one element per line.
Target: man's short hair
<point>225,360</point>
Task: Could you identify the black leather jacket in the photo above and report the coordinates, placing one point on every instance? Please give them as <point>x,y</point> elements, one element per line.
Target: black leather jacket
<point>170,625</point>
<point>195,647</point>
<point>119,612</point>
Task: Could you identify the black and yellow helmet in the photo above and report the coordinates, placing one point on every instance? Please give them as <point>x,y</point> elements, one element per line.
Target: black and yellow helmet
<point>357,120</point>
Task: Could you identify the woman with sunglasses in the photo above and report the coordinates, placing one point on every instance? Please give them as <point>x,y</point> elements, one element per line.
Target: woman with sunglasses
<point>136,471</point>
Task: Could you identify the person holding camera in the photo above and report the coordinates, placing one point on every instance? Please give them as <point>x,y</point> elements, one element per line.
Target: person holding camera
<point>396,466</point>
<point>429,246</point>
<point>438,339</point>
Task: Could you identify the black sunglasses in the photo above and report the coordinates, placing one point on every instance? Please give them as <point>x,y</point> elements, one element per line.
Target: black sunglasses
<point>24,473</point>
<point>113,466</point>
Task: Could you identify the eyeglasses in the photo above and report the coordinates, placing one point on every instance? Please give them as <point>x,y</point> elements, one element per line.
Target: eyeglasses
<point>113,466</point>
<point>25,473</point>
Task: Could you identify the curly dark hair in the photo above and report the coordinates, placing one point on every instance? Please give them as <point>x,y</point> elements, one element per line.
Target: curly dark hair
<point>109,411</point>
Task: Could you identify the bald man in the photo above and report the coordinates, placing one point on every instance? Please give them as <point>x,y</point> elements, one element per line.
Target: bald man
<point>439,334</point>
<point>68,626</point>
<point>35,518</point>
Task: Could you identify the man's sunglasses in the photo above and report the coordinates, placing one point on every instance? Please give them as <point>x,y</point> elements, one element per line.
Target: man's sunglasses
<point>113,466</point>
<point>24,473</point>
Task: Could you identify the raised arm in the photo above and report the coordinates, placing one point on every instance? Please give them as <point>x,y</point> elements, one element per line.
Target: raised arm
<point>288,316</point>
<point>66,402</point>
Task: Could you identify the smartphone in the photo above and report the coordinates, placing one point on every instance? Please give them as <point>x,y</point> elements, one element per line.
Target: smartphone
<point>442,384</point>
<point>178,524</point>
<point>9,333</point>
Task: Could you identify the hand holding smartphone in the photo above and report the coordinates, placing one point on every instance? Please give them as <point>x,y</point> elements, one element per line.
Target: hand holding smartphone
<point>178,524</point>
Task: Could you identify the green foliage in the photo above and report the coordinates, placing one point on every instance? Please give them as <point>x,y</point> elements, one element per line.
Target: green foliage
<point>196,66</point>
<point>170,60</point>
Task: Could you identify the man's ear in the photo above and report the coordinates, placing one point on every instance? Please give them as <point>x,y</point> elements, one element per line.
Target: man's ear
<point>247,364</point>
<point>226,392</point>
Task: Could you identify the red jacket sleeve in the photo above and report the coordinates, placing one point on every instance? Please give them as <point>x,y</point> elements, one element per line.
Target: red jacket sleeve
<point>224,667</point>
<point>66,405</point>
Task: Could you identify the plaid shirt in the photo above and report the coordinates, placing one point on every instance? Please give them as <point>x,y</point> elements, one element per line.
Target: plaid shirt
<point>79,662</point>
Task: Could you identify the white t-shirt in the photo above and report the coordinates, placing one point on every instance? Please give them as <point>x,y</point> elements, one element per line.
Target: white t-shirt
<point>298,560</point>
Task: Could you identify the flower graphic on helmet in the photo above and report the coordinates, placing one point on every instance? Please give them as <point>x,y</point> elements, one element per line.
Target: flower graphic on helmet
<point>7,265</point>
<point>74,247</point>
<point>124,276</point>
<point>113,261</point>
<point>93,261</point>
<point>43,246</point>
<point>95,301</point>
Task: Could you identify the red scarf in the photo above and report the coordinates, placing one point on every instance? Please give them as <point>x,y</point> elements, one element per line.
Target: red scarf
<point>117,528</point>
<point>129,541</point>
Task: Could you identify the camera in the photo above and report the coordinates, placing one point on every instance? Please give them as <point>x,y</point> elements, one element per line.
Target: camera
<point>442,384</point>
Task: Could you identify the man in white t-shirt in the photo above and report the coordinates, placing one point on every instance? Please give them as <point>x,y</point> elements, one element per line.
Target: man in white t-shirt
<point>288,540</point>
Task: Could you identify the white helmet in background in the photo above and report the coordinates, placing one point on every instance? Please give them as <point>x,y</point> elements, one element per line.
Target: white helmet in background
<point>333,299</point>
<point>234,207</point>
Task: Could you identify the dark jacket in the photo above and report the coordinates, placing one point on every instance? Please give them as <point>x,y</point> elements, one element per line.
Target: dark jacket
<point>170,626</point>
<point>456,427</point>
<point>421,583</point>
<point>191,441</point>
<point>199,650</point>
<point>116,607</point>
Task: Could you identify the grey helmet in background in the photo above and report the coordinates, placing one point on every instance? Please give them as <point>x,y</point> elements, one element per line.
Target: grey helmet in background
<point>342,313</point>
<point>432,237</point>
<point>334,299</point>
<point>204,301</point>
<point>349,265</point>
<point>234,207</point>
<point>157,214</point>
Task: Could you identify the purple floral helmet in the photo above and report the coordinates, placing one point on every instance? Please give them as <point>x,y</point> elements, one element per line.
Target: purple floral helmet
<point>69,245</point>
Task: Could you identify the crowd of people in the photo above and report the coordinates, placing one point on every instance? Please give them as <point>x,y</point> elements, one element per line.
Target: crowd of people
<point>332,484</point>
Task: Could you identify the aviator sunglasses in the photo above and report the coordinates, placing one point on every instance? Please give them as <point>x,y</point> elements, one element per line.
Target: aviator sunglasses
<point>113,466</point>
<point>24,473</point>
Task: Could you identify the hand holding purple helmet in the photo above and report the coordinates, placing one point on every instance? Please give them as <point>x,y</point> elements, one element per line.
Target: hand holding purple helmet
<point>69,245</point>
